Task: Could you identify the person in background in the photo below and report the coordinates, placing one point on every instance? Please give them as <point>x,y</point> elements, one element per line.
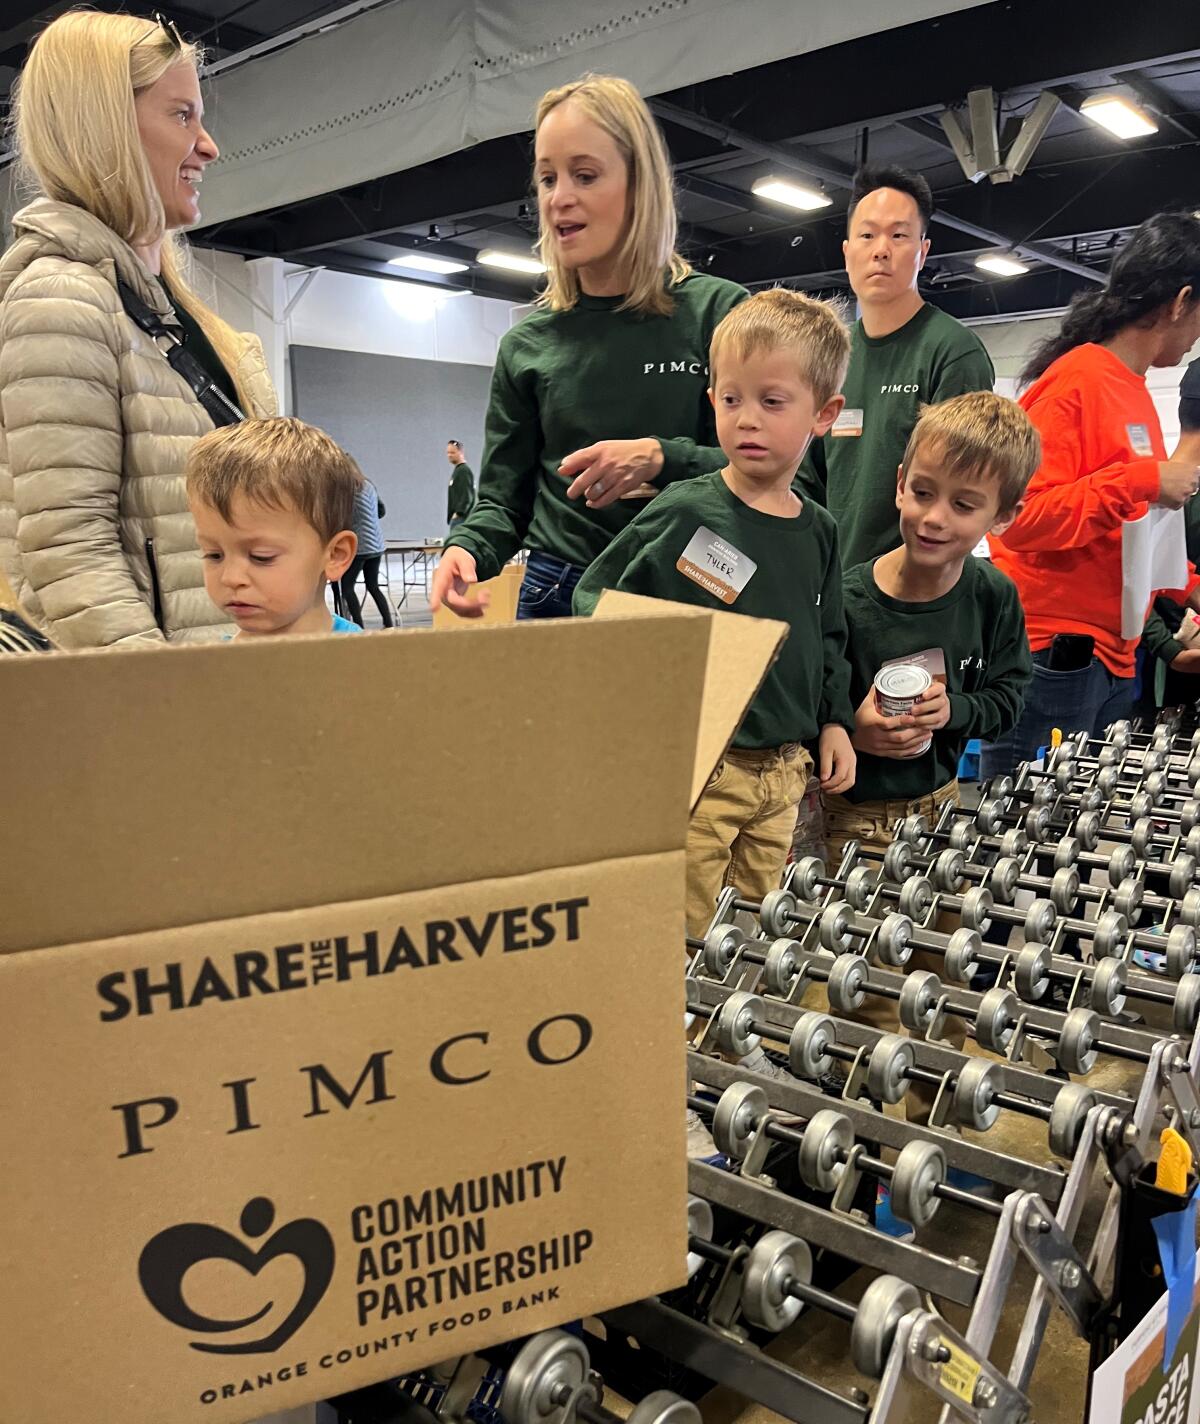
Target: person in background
<point>1103,463</point>
<point>460,499</point>
<point>930,602</point>
<point>598,397</point>
<point>273,502</point>
<point>95,532</point>
<point>904,354</point>
<point>1169,666</point>
<point>368,510</point>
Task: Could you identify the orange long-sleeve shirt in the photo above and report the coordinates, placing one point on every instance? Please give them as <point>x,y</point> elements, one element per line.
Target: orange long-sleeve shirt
<point>1101,445</point>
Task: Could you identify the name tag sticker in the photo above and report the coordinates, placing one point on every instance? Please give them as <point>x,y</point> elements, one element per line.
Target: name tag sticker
<point>849,422</point>
<point>1139,439</point>
<point>716,565</point>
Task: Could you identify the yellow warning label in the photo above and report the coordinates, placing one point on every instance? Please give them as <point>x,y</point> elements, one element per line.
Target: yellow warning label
<point>960,1373</point>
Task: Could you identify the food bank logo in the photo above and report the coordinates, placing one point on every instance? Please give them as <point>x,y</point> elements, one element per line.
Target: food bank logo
<point>168,1257</point>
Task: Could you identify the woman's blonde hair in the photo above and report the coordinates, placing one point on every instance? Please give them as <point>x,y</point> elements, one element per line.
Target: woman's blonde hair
<point>77,139</point>
<point>647,255</point>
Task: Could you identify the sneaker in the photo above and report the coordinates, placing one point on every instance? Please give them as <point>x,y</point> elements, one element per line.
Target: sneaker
<point>969,1182</point>
<point>886,1222</point>
<point>758,1062</point>
<point>700,1146</point>
<point>1149,961</point>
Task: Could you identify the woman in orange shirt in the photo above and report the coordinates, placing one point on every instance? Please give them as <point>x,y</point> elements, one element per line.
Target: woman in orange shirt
<point>1103,463</point>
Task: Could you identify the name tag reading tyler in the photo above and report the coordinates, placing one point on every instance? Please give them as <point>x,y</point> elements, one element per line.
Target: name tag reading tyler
<point>1139,440</point>
<point>716,565</point>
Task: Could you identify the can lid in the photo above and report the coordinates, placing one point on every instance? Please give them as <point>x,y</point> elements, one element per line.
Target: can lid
<point>902,680</point>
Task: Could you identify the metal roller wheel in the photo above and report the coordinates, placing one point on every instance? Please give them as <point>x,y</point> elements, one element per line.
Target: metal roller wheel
<point>1032,972</point>
<point>1156,784</point>
<point>893,942</point>
<point>1140,805</point>
<point>1189,815</point>
<point>963,953</point>
<point>1077,1051</point>
<point>1003,880</point>
<point>976,912</point>
<point>1067,852</point>
<point>1064,774</point>
<point>721,945</point>
<point>1181,951</point>
<point>920,1169</point>
<point>860,886</point>
<point>808,870</point>
<point>996,1019</point>
<point>1040,919</point>
<point>1183,876</point>
<point>777,913</point>
<point>1142,837</point>
<point>1072,1103</point>
<point>663,1406</point>
<point>1153,761</point>
<point>737,1013</point>
<point>827,1139</point>
<point>775,1260</point>
<point>1106,781</point>
<point>1186,1008</point>
<point>1108,939</point>
<point>846,980</point>
<point>948,871</point>
<point>808,1055</point>
<point>988,816</point>
<point>1109,755</point>
<point>700,1224</point>
<point>1087,829</point>
<point>1192,770</point>
<point>975,1094</point>
<point>898,862</point>
<point>919,999</point>
<point>885,1302</point>
<point>1090,800</point>
<point>1002,788</point>
<point>833,929</point>
<point>1064,890</point>
<point>738,1109</point>
<point>547,1361</point>
<point>962,836</point>
<point>1189,907</point>
<point>1109,980</point>
<point>916,896</point>
<point>1127,899</point>
<point>888,1069</point>
<point>1043,797</point>
<point>782,967</point>
<point>1121,864</point>
<point>1192,844</point>
<point>1037,818</point>
<point>1014,842</point>
<point>912,829</point>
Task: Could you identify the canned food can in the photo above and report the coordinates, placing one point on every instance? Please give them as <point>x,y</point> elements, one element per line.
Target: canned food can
<point>898,687</point>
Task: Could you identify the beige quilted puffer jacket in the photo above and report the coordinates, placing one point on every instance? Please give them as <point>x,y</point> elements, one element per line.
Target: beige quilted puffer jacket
<point>95,533</point>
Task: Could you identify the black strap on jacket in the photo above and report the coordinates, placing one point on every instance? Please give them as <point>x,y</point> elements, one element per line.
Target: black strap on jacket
<point>221,410</point>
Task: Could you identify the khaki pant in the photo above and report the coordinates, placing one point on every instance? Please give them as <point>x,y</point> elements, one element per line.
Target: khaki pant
<point>741,830</point>
<point>873,824</point>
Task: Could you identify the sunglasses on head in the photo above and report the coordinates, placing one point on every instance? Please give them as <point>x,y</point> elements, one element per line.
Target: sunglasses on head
<point>165,27</point>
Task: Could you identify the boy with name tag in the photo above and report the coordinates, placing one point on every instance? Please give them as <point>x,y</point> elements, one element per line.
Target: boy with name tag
<point>930,614</point>
<point>740,539</point>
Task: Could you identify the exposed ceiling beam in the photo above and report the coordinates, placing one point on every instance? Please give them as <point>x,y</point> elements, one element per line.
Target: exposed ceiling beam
<point>841,175</point>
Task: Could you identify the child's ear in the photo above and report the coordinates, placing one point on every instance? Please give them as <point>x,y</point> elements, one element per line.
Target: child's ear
<point>339,554</point>
<point>712,400</point>
<point>899,485</point>
<point>828,413</point>
<point>1006,520</point>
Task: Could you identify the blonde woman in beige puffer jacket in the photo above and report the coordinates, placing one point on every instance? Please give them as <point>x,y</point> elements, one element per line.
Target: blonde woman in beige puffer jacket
<point>95,425</point>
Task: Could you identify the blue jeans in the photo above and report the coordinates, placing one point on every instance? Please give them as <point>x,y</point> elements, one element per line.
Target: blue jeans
<point>1084,700</point>
<point>547,587</point>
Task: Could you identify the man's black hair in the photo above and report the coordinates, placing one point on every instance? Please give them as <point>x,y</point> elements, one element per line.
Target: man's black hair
<point>870,179</point>
<point>1189,399</point>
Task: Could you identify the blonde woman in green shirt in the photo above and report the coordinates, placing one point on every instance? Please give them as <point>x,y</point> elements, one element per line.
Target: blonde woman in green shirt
<point>598,398</point>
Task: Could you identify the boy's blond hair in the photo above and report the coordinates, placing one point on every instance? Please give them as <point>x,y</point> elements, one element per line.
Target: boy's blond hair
<point>277,463</point>
<point>781,320</point>
<point>980,433</point>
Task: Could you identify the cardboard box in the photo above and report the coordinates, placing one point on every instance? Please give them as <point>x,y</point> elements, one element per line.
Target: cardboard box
<point>309,1082</point>
<point>503,592</point>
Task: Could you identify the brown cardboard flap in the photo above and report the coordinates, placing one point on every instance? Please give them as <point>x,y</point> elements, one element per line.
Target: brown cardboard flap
<point>740,653</point>
<point>142,790</point>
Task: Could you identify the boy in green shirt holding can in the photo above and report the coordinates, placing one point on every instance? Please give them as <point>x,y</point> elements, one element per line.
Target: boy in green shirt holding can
<point>741,539</point>
<point>931,605</point>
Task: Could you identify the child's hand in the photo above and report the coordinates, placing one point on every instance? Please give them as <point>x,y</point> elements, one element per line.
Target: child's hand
<point>453,579</point>
<point>837,759</point>
<point>933,708</point>
<point>881,736</point>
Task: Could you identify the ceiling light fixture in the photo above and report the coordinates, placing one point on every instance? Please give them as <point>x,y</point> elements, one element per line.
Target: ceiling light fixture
<point>1002,265</point>
<point>521,262</point>
<point>791,195</point>
<point>443,266</point>
<point>1119,114</point>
